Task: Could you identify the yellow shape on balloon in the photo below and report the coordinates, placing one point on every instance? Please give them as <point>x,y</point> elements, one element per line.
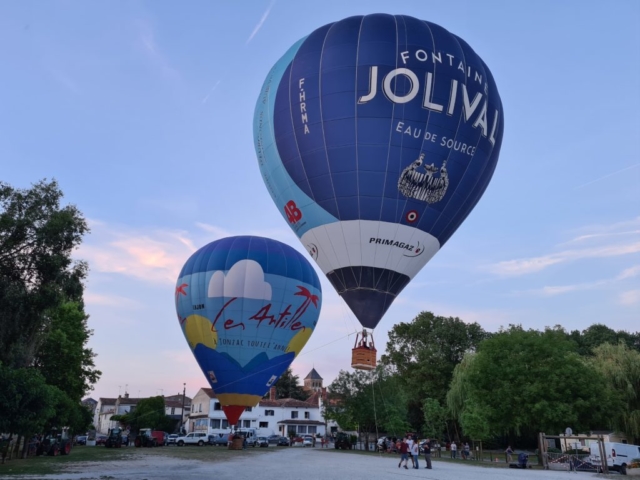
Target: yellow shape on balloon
<point>199,329</point>
<point>299,340</point>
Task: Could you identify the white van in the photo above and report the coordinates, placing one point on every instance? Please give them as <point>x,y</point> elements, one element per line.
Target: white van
<point>618,455</point>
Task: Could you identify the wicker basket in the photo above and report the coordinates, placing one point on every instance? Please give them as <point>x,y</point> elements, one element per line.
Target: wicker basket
<point>363,358</point>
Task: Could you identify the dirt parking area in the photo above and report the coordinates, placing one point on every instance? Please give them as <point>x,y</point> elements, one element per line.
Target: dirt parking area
<point>279,464</point>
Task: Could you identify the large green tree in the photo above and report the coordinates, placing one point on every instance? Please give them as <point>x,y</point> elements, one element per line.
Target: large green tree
<point>288,386</point>
<point>424,353</point>
<point>64,359</point>
<point>37,273</point>
<point>372,402</point>
<point>598,334</point>
<point>620,365</point>
<point>149,413</point>
<point>523,382</point>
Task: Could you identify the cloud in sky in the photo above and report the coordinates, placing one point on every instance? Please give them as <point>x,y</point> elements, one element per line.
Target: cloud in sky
<point>147,39</point>
<point>550,291</point>
<point>261,22</point>
<point>608,175</point>
<point>524,266</point>
<point>245,279</point>
<point>602,241</point>
<point>155,256</point>
<point>630,297</point>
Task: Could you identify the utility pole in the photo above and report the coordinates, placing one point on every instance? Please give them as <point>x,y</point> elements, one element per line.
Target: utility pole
<point>184,392</point>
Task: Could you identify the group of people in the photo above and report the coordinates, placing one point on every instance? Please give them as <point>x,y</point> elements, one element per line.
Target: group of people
<point>465,450</point>
<point>409,449</point>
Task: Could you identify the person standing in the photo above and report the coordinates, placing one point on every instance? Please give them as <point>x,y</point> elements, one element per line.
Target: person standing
<point>454,450</point>
<point>410,449</point>
<point>508,451</point>
<point>415,453</point>
<point>467,451</point>
<point>427,453</point>
<point>403,453</point>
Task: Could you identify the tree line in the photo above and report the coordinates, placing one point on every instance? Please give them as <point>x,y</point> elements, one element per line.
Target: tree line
<point>46,367</point>
<point>452,380</point>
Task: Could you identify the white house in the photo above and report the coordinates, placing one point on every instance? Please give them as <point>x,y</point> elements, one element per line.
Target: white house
<point>107,407</point>
<point>269,417</point>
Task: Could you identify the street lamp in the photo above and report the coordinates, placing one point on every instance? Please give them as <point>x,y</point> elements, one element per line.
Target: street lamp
<point>184,391</point>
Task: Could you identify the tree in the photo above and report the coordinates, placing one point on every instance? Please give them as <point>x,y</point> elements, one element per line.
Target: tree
<point>26,401</point>
<point>37,274</point>
<point>287,386</point>
<point>63,358</point>
<point>149,413</point>
<point>367,402</point>
<point>523,382</point>
<point>425,352</point>
<point>620,365</point>
<point>435,418</point>
<point>598,334</point>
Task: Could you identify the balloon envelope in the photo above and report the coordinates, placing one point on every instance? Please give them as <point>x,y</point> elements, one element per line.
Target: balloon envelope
<point>376,136</point>
<point>246,306</point>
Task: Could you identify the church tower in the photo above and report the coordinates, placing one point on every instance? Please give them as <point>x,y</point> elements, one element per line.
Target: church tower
<point>313,381</point>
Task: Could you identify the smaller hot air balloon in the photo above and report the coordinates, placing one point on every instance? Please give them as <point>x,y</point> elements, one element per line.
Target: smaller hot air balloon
<point>246,306</point>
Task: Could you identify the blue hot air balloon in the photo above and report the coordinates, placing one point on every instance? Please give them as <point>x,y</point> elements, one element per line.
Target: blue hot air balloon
<point>247,306</point>
<point>376,136</point>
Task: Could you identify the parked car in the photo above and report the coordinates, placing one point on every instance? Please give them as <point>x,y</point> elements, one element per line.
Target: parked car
<point>307,441</point>
<point>263,442</point>
<point>101,439</point>
<point>273,439</point>
<point>283,442</point>
<point>81,440</point>
<point>222,439</point>
<point>171,440</point>
<point>193,438</point>
<point>125,440</point>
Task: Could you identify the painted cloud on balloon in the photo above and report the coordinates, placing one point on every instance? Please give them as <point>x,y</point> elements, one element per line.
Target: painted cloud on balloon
<point>245,279</point>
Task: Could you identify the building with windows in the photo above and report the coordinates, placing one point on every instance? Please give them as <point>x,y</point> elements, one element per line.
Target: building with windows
<point>271,416</point>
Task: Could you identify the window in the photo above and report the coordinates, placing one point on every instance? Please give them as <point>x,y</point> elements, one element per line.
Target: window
<point>215,423</point>
<point>302,429</point>
<point>173,410</point>
<point>264,425</point>
<point>311,429</point>
<point>294,414</point>
<point>248,409</point>
<point>246,424</point>
<point>306,415</point>
<point>217,406</point>
<point>269,413</point>
<point>225,424</point>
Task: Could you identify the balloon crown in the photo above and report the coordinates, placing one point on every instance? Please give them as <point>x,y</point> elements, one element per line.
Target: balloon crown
<point>426,186</point>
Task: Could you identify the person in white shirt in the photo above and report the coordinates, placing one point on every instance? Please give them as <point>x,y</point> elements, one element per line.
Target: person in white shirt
<point>410,443</point>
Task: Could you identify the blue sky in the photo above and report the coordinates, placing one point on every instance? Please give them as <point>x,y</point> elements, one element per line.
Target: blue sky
<point>143,113</point>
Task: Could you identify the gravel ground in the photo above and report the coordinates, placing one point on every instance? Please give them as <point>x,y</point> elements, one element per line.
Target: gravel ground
<point>295,464</point>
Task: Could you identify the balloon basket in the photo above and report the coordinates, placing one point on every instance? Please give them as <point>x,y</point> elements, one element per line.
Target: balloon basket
<point>236,443</point>
<point>363,354</point>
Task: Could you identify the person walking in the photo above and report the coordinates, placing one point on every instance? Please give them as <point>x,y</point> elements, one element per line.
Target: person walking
<point>427,453</point>
<point>403,453</point>
<point>415,453</point>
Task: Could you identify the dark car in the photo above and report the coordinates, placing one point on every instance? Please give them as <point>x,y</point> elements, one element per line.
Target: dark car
<point>273,439</point>
<point>283,442</point>
<point>81,440</point>
<point>222,439</point>
<point>101,439</point>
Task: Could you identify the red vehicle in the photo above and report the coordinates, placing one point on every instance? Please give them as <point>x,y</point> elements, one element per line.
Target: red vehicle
<point>150,438</point>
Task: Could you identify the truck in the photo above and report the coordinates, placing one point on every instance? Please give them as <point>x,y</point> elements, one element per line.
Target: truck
<point>250,434</point>
<point>618,455</point>
<point>150,438</point>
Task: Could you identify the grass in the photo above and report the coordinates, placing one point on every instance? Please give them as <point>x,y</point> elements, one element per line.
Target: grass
<point>45,465</point>
<point>81,456</point>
